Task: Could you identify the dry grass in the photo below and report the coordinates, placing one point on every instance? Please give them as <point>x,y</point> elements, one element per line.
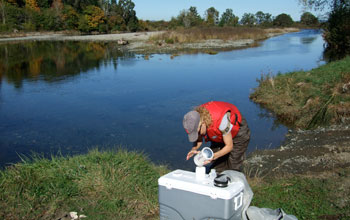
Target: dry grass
<point>197,34</point>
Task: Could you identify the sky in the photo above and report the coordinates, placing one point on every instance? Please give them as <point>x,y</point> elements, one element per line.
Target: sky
<point>165,9</point>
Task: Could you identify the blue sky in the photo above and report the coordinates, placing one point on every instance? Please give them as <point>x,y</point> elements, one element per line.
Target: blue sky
<point>165,9</point>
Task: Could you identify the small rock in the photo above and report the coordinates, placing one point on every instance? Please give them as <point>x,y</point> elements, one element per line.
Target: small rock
<point>346,88</point>
<point>122,42</point>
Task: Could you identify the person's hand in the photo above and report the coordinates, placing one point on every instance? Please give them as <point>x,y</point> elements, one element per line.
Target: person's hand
<point>191,153</point>
<point>209,161</point>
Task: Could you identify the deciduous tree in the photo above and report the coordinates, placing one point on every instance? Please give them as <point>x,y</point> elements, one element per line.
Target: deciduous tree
<point>308,18</point>
<point>128,13</point>
<point>283,20</point>
<point>33,5</point>
<point>228,18</point>
<point>93,16</point>
<point>248,19</point>
<point>70,17</point>
<point>212,16</point>
<point>264,19</point>
<point>337,29</point>
<point>2,10</point>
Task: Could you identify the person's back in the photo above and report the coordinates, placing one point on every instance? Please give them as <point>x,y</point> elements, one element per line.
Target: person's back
<point>226,128</point>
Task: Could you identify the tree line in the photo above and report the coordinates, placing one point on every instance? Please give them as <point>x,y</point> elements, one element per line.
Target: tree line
<point>55,15</point>
<point>191,18</point>
<point>106,16</point>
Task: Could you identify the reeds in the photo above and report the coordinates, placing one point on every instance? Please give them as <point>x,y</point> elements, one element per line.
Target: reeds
<point>197,34</point>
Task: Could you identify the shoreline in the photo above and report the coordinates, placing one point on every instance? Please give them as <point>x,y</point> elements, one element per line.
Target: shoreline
<point>317,152</point>
<point>139,41</point>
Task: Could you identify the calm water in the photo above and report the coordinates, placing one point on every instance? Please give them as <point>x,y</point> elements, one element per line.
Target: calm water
<point>71,97</point>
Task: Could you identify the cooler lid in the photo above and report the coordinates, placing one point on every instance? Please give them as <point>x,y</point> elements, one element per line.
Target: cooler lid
<point>185,180</point>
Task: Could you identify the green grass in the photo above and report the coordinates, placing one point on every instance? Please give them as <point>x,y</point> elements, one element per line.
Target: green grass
<point>306,99</point>
<point>100,185</point>
<point>123,185</point>
<point>306,198</point>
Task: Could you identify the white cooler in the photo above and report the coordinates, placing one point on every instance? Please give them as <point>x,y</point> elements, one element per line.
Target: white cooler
<point>183,196</point>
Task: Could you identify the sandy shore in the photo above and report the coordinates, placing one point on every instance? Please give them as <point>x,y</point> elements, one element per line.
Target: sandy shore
<point>139,36</point>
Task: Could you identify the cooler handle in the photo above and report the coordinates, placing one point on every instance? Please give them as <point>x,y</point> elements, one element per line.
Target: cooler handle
<point>238,201</point>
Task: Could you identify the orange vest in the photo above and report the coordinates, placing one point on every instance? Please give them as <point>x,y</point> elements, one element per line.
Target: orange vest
<point>217,111</point>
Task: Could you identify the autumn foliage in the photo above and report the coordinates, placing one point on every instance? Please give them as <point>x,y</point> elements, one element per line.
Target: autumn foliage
<point>86,16</point>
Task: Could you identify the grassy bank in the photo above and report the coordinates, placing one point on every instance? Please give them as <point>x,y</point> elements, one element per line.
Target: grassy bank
<point>307,197</point>
<point>306,99</point>
<point>193,35</point>
<point>100,185</point>
<point>123,185</point>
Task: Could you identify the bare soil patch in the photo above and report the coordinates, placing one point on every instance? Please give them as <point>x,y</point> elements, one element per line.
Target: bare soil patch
<point>323,153</point>
<point>305,152</point>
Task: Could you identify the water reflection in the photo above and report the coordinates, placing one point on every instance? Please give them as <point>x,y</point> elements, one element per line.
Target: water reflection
<point>54,61</point>
<point>307,40</point>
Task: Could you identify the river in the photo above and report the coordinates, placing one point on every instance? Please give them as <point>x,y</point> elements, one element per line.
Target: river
<point>69,97</point>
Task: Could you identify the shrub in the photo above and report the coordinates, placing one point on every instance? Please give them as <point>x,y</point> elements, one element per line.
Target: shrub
<point>48,20</point>
<point>70,17</point>
<point>337,31</point>
<point>169,41</point>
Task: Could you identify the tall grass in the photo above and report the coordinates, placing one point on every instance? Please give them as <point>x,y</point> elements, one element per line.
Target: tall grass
<point>306,99</point>
<point>100,185</point>
<point>192,35</point>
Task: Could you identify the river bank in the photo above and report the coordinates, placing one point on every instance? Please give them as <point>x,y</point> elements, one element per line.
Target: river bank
<point>321,157</point>
<point>316,99</point>
<point>123,185</point>
<point>141,42</point>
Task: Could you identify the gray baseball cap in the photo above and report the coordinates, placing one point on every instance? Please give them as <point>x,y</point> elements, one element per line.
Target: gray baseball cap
<point>191,123</point>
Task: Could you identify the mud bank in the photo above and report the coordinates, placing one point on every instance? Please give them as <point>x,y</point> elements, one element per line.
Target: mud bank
<point>305,152</point>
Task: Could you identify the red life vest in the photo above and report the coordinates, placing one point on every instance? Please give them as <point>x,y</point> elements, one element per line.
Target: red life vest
<point>217,111</point>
